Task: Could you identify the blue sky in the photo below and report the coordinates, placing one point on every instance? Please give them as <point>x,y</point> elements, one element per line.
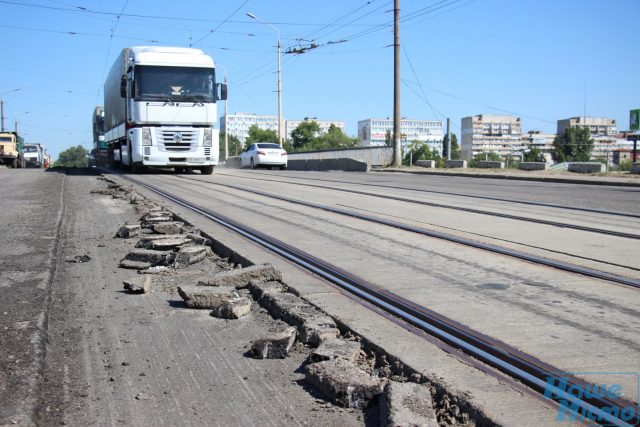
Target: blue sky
<point>536,59</point>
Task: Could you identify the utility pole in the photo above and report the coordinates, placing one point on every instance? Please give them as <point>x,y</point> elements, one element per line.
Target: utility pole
<point>280,124</point>
<point>280,128</point>
<point>448,138</point>
<point>2,113</point>
<point>397,150</point>
<point>226,130</point>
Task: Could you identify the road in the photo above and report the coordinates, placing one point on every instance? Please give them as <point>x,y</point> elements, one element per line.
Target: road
<point>575,323</point>
<point>96,353</point>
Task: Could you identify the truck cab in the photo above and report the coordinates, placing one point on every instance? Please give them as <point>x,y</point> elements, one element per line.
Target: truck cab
<point>10,154</point>
<point>33,155</point>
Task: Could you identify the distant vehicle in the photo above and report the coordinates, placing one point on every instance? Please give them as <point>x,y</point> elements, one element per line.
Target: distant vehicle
<point>33,155</point>
<point>11,150</point>
<point>263,154</point>
<point>99,151</point>
<point>160,109</point>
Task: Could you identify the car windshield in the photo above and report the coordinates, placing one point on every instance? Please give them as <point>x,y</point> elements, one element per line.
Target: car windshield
<point>174,84</point>
<point>268,146</point>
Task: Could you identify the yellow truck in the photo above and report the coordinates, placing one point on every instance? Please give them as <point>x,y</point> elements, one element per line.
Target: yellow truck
<point>11,150</point>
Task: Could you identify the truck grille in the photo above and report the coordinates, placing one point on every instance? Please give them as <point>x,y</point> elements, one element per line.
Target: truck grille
<point>177,140</point>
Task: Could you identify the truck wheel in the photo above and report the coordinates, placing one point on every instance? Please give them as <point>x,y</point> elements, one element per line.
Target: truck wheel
<point>14,163</point>
<point>206,170</point>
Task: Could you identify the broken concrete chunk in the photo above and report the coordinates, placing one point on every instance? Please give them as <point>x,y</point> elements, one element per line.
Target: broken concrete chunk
<point>258,289</point>
<point>138,284</point>
<point>233,308</point>
<point>128,231</point>
<point>169,227</point>
<point>318,328</point>
<point>136,199</point>
<point>241,278</point>
<point>314,326</point>
<point>198,240</point>
<point>410,404</point>
<point>188,255</point>
<point>134,265</point>
<point>150,256</point>
<point>148,240</point>
<point>343,383</point>
<point>207,297</point>
<point>169,244</point>
<point>276,345</point>
<point>336,349</point>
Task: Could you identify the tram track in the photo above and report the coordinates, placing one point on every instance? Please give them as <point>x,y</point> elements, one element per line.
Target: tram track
<point>445,193</point>
<point>560,265</point>
<point>517,365</point>
<point>468,210</point>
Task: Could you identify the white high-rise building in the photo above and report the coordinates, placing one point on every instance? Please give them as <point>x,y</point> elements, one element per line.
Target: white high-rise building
<point>490,133</point>
<point>238,124</point>
<point>373,132</point>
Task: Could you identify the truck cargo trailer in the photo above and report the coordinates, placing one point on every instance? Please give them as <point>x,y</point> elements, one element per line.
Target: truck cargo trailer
<point>160,109</point>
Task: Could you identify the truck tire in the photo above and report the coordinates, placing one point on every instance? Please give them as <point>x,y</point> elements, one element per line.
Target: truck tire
<point>206,170</point>
<point>14,163</point>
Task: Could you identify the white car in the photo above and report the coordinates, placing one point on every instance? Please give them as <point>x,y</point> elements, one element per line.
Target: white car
<point>263,154</point>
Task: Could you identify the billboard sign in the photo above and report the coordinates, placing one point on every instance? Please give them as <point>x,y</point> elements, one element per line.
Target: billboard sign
<point>634,119</point>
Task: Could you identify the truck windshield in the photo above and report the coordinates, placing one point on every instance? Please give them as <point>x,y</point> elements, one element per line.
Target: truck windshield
<point>30,149</point>
<point>154,83</point>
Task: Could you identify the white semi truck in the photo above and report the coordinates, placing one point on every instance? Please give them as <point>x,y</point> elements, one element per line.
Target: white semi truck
<point>160,109</point>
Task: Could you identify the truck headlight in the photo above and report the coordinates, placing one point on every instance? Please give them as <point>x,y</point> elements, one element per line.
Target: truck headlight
<point>207,138</point>
<point>146,136</point>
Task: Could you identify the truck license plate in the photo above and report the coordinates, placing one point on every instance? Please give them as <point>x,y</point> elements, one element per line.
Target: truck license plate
<point>195,159</point>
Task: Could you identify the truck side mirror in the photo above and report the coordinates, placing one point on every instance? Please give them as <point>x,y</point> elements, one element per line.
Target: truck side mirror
<point>123,86</point>
<point>223,92</point>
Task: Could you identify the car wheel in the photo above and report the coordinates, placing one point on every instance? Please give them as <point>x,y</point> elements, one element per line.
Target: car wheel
<point>283,167</point>
<point>253,165</point>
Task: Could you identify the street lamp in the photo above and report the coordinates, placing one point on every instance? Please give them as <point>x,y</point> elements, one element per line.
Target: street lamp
<point>226,134</point>
<point>2,105</point>
<point>15,120</point>
<point>280,131</point>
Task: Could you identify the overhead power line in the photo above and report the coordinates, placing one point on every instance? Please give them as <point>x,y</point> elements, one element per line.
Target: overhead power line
<point>221,24</point>
<point>168,18</point>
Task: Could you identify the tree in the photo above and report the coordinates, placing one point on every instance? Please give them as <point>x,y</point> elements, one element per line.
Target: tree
<point>235,146</point>
<point>455,148</point>
<point>74,157</point>
<point>574,146</point>
<point>481,157</point>
<point>388,138</point>
<point>307,137</point>
<point>260,135</point>
<point>303,135</point>
<point>335,138</point>
<point>534,155</point>
<point>419,150</point>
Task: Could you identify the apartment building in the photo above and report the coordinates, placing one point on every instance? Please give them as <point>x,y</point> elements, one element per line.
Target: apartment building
<point>603,131</point>
<point>540,140</point>
<point>486,133</point>
<point>238,124</point>
<point>373,132</point>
